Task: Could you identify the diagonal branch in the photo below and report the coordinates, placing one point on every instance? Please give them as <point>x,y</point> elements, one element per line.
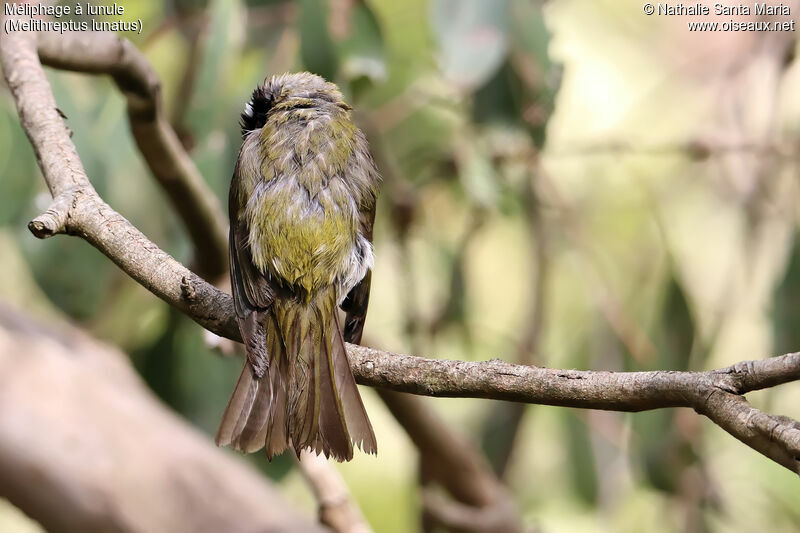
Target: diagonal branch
<point>777,437</point>
<point>79,210</point>
<point>106,53</point>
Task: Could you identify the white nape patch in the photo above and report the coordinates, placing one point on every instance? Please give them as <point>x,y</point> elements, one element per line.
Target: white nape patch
<point>248,108</point>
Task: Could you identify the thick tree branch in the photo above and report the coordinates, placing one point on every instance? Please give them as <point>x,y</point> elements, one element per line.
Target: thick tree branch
<point>106,53</point>
<point>716,394</point>
<point>85,446</point>
<point>588,389</point>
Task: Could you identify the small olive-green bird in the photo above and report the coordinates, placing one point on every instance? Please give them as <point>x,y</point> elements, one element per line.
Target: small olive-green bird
<point>301,205</point>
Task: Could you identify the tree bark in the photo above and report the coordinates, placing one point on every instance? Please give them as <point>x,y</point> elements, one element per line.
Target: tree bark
<point>85,446</point>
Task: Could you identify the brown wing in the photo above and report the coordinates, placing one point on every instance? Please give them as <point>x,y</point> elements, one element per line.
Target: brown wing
<point>355,305</point>
<point>252,294</point>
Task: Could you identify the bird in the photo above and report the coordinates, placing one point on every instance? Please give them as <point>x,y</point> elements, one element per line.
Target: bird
<point>301,208</point>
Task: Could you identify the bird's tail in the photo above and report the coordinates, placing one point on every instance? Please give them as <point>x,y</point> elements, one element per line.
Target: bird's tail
<point>308,397</point>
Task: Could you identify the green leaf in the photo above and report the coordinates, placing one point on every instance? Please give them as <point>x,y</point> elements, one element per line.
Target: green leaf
<point>19,182</point>
<point>317,50</point>
<point>666,453</point>
<point>786,312</point>
<point>583,470</point>
<point>362,51</point>
<point>676,335</point>
<point>531,33</point>
<point>472,39</point>
<point>498,100</point>
<point>478,175</point>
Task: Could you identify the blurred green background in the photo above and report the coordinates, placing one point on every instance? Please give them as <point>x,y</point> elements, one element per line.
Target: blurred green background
<point>571,185</point>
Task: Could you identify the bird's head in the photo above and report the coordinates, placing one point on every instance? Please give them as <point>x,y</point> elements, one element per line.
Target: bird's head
<point>301,90</point>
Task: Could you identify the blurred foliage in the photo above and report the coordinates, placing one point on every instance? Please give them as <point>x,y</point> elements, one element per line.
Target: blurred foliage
<point>786,314</point>
<point>671,238</point>
<point>665,454</point>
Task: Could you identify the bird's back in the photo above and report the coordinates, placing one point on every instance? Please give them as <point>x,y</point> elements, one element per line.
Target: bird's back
<point>302,218</point>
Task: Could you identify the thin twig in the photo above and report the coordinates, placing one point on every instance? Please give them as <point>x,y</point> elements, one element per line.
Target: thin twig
<point>337,510</point>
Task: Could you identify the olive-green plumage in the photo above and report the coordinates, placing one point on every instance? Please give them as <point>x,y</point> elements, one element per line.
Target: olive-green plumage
<point>301,206</point>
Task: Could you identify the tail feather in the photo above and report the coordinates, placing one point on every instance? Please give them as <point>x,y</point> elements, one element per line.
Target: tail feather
<point>256,421</point>
<point>333,432</point>
<point>238,409</point>
<point>307,398</point>
<point>358,423</point>
<point>303,373</point>
<point>276,439</point>
<point>304,423</point>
